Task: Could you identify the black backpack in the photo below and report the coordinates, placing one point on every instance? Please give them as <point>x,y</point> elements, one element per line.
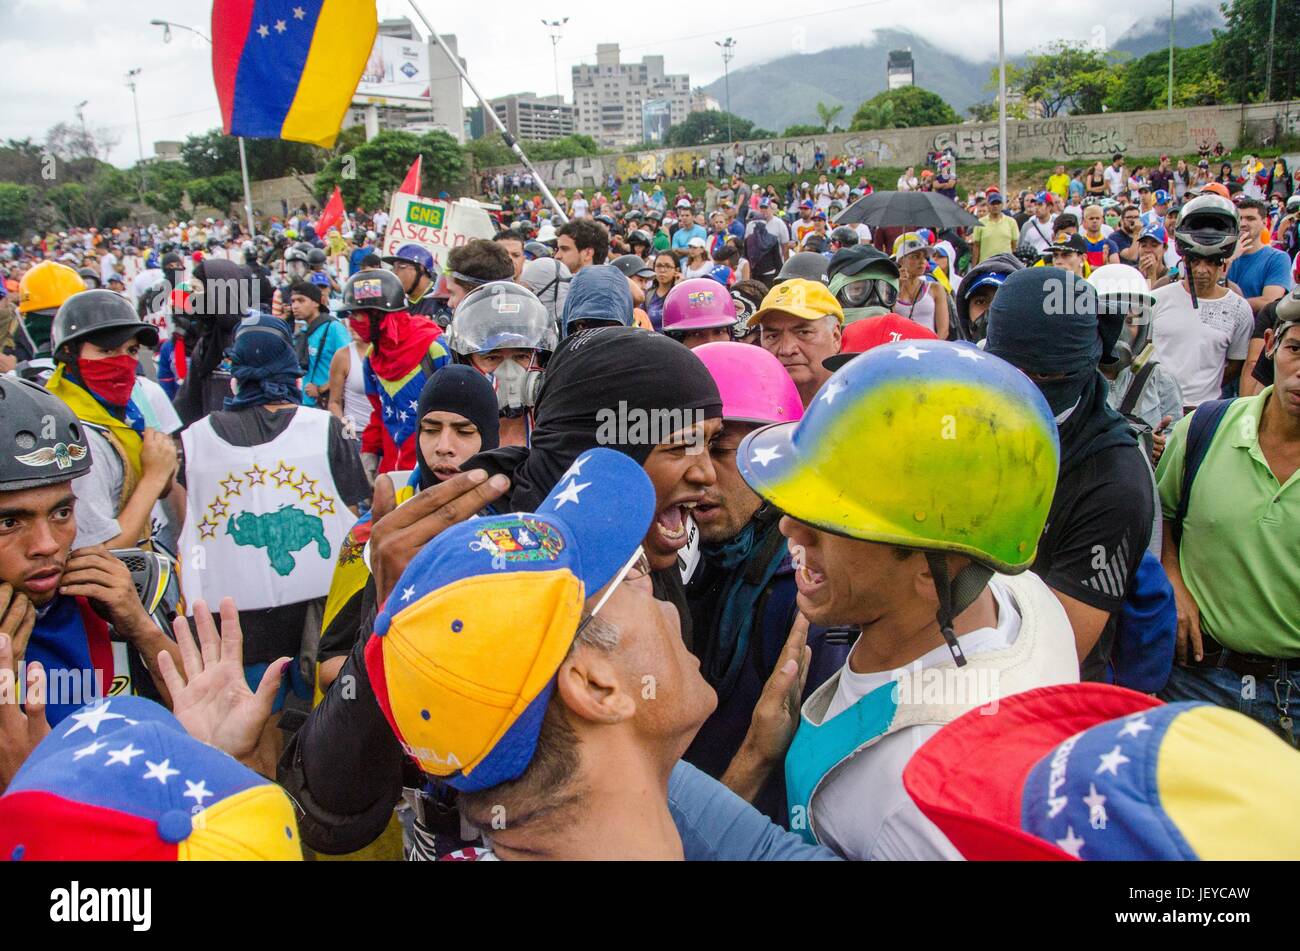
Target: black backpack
<point>762,250</point>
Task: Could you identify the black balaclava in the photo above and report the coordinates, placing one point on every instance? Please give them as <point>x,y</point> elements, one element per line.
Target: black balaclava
<point>1044,321</point>
<point>457,388</point>
<point>594,376</point>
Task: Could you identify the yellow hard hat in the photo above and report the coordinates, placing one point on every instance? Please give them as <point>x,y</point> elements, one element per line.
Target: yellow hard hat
<point>47,286</point>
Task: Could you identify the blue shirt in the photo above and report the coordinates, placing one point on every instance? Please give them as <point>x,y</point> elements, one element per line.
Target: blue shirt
<point>328,338</point>
<point>359,255</point>
<point>1253,272</point>
<point>684,235</point>
<point>717,825</point>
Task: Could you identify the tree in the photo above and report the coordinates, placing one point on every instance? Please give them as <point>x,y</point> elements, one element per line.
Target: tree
<point>213,153</point>
<point>218,191</point>
<point>988,111</point>
<point>570,146</point>
<point>873,116</point>
<point>1064,77</point>
<point>15,209</point>
<point>710,128</point>
<point>801,130</point>
<point>167,183</point>
<point>489,150</point>
<point>70,142</point>
<point>827,115</point>
<point>1241,50</point>
<point>370,173</point>
<point>906,107</point>
<point>1143,83</point>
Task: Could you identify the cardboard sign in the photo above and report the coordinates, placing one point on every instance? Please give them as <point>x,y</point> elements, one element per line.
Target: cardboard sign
<point>437,226</point>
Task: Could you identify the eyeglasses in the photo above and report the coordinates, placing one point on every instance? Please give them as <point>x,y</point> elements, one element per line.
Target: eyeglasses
<point>637,567</point>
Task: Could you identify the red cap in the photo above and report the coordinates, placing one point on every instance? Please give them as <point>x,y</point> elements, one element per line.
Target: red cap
<point>872,332</point>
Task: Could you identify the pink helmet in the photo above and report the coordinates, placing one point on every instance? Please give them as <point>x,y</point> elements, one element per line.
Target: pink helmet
<point>755,387</point>
<point>698,304</point>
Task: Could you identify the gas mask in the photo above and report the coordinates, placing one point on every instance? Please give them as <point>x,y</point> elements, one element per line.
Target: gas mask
<point>864,295</point>
<point>517,387</point>
<point>1133,343</point>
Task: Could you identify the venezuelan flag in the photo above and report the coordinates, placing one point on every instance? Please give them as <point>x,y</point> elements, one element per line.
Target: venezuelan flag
<point>287,69</point>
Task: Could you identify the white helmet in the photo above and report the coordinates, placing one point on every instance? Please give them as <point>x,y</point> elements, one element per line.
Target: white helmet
<point>1207,226</point>
<point>546,233</point>
<point>1122,285</point>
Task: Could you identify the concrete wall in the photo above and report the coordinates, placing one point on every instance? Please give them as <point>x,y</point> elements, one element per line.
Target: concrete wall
<point>1073,140</point>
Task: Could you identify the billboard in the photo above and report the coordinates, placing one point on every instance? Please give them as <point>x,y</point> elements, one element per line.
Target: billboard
<point>397,69</point>
<point>656,119</point>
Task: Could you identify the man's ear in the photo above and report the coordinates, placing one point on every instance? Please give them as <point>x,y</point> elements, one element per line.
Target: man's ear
<point>589,684</point>
<point>923,581</point>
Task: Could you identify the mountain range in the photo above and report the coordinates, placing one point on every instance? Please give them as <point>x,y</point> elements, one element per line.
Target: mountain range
<point>785,91</point>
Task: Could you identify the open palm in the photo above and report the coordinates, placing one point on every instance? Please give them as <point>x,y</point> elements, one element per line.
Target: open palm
<point>213,700</point>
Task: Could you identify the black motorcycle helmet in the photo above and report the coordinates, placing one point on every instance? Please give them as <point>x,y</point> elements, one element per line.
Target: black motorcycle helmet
<point>35,453</point>
<point>92,312</point>
<point>374,290</point>
<point>316,258</point>
<point>809,265</point>
<point>90,276</point>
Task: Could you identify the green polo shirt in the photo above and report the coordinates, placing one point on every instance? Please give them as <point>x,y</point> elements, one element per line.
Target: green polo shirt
<point>1239,557</point>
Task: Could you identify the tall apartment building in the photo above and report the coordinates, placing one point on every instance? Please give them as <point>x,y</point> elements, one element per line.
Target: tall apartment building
<point>536,118</point>
<point>611,95</point>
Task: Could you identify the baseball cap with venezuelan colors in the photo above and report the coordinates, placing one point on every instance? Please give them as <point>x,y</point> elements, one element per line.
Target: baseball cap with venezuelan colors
<point>120,779</point>
<point>801,298</point>
<point>465,652</point>
<point>1096,772</point>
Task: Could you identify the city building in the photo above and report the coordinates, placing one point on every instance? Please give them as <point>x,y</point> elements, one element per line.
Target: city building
<point>535,118</point>
<point>610,96</point>
<point>409,83</point>
<point>898,69</point>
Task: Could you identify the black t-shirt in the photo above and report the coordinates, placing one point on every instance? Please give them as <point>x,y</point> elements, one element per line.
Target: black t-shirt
<point>1097,529</point>
<point>277,632</point>
<point>1264,320</point>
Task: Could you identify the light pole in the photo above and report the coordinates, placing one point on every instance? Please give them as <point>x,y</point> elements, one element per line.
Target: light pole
<point>139,139</point>
<point>1002,105</point>
<point>556,27</point>
<point>1169,103</point>
<point>1268,75</point>
<point>728,47</point>
<point>243,155</point>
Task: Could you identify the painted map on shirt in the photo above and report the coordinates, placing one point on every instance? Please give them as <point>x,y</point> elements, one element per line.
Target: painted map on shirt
<point>281,533</point>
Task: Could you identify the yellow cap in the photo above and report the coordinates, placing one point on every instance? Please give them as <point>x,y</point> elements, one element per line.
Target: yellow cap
<point>799,297</point>
<point>47,286</point>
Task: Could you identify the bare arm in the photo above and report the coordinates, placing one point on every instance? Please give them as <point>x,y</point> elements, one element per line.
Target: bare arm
<point>1088,622</point>
<point>940,311</point>
<point>1270,293</point>
<point>340,365</point>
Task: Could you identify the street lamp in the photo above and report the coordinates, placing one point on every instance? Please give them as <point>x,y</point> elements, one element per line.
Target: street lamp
<point>139,139</point>
<point>81,117</point>
<point>556,27</point>
<point>728,47</point>
<point>243,155</point>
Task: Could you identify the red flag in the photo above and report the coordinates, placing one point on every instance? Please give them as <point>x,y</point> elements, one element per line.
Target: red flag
<point>411,186</point>
<point>332,216</point>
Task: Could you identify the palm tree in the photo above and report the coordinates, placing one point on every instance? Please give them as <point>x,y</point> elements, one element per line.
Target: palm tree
<point>827,115</point>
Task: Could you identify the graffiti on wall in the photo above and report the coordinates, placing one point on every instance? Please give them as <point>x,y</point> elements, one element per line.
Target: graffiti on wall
<point>1069,138</point>
<point>978,144</point>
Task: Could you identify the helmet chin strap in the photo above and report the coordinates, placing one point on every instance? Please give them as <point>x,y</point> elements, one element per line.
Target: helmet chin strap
<point>955,595</point>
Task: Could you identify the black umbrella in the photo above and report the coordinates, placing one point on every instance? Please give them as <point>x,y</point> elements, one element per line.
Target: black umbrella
<point>907,210</point>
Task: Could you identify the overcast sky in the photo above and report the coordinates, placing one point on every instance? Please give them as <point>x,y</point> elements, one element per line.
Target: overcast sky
<point>56,53</point>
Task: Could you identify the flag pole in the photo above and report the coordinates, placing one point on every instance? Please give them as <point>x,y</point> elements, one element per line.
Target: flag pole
<point>248,194</point>
<point>491,113</point>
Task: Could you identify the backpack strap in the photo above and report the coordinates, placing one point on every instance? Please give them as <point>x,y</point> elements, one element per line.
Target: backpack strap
<point>1135,387</point>
<point>1200,434</point>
